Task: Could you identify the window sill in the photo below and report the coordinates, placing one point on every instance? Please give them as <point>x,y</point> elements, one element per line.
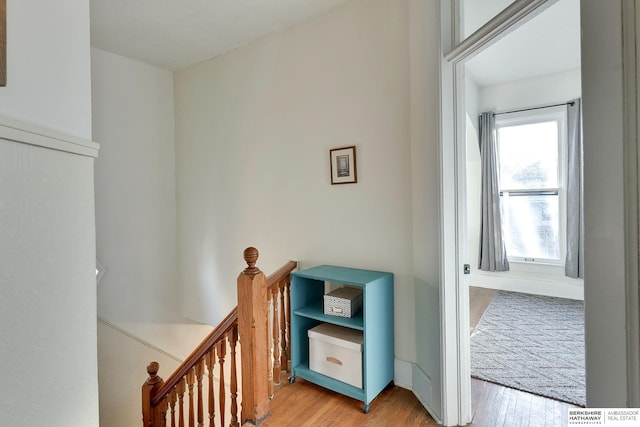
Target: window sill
<point>537,267</point>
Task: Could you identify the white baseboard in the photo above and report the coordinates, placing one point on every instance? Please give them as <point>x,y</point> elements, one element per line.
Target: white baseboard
<point>409,376</point>
<point>537,285</point>
<point>402,376</point>
<point>422,389</point>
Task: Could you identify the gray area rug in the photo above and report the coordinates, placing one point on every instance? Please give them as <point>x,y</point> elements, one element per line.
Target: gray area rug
<point>532,343</point>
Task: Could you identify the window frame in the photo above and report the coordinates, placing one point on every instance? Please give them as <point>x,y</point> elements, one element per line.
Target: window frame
<point>556,114</point>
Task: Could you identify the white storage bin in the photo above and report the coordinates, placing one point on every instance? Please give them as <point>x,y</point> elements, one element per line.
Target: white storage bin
<point>336,352</point>
<point>343,302</point>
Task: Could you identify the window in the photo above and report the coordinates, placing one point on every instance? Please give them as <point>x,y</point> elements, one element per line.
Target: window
<point>532,160</point>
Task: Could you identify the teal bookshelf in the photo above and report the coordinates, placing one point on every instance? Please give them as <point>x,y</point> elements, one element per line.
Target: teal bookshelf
<point>375,320</point>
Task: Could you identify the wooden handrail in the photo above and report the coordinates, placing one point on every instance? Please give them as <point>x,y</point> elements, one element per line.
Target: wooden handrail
<point>196,355</point>
<point>280,274</point>
<point>205,346</point>
<point>161,396</point>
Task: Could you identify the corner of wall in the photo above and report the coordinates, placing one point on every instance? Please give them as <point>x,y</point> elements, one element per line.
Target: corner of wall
<point>423,390</point>
<point>402,376</point>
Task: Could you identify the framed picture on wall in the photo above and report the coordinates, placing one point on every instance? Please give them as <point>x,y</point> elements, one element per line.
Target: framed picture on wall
<point>343,165</point>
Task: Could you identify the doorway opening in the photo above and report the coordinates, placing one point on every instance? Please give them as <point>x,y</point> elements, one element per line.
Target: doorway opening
<point>526,80</point>
<point>504,80</point>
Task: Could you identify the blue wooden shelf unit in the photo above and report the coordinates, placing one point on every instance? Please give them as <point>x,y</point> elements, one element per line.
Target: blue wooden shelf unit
<point>375,320</point>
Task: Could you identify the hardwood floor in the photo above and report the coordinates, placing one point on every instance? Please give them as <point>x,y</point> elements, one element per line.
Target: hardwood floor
<point>479,300</point>
<point>305,404</point>
<point>499,406</point>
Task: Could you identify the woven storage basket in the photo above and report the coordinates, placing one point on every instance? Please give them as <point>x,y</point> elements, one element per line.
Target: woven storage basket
<point>343,302</point>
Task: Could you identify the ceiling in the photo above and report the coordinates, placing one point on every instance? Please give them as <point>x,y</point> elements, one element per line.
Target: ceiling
<point>548,43</point>
<point>174,34</point>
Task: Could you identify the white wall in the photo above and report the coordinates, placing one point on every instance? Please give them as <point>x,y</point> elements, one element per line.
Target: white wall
<point>47,243</point>
<point>424,45</point>
<point>472,100</point>
<point>254,128</point>
<point>477,13</point>
<point>474,191</point>
<point>47,287</point>
<point>473,171</point>
<point>48,66</point>
<point>122,362</point>
<point>135,188</point>
<point>605,322</point>
<point>133,118</point>
<point>424,51</point>
<point>543,90</point>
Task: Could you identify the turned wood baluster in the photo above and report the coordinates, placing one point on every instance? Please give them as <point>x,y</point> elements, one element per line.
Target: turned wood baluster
<point>199,375</point>
<point>191,379</point>
<point>283,326</point>
<point>210,358</point>
<point>276,343</point>
<point>286,354</point>
<point>162,412</point>
<point>173,397</point>
<point>222,352</point>
<point>269,348</point>
<point>254,338</point>
<point>182,387</point>
<point>151,386</point>
<point>233,341</point>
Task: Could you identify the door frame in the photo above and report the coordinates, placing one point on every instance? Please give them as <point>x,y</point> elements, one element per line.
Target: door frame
<point>608,384</point>
<point>455,339</point>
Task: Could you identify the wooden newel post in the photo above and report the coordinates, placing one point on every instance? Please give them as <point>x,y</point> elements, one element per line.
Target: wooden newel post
<point>150,416</point>
<point>253,331</point>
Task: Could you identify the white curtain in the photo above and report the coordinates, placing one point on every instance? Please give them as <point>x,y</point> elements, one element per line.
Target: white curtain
<point>493,254</point>
<point>574,262</point>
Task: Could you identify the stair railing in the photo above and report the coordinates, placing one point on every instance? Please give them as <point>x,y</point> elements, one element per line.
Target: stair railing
<point>260,323</point>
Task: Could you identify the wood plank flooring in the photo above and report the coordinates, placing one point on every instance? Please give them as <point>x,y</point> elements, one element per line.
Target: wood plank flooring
<point>479,300</point>
<point>499,406</point>
<point>304,404</point>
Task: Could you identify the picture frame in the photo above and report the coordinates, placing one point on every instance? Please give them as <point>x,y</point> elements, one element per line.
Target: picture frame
<point>343,165</point>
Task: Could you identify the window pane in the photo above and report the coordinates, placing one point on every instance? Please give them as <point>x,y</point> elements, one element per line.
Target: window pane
<point>528,156</point>
<point>531,226</point>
